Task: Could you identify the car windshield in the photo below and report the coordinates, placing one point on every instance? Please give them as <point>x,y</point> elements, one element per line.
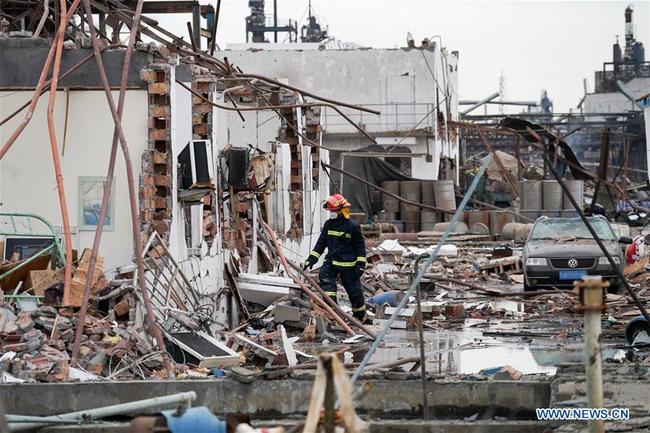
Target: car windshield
<point>563,228</point>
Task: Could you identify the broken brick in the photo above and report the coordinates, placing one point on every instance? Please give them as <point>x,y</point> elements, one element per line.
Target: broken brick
<point>122,308</point>
<point>24,322</point>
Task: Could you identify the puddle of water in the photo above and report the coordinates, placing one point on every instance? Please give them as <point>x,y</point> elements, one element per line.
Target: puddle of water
<point>508,305</point>
<point>474,360</point>
<point>467,352</point>
<point>528,346</point>
<point>512,308</point>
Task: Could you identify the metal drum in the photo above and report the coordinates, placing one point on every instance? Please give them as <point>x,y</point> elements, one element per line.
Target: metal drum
<point>577,190</point>
<point>552,195</point>
<point>443,191</point>
<point>410,190</point>
<point>498,219</point>
<point>460,228</point>
<point>479,229</point>
<point>389,205</point>
<point>478,217</point>
<point>516,231</point>
<point>529,216</point>
<point>530,192</point>
<point>428,218</point>
<point>427,188</point>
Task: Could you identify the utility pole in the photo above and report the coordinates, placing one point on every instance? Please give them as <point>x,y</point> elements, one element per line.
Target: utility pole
<point>591,291</point>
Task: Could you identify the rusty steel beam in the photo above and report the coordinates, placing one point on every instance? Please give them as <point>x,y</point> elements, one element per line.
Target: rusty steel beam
<point>58,43</point>
<point>276,107</point>
<point>305,93</point>
<point>168,6</point>
<point>108,185</point>
<point>318,301</point>
<point>46,86</point>
<point>39,87</point>
<point>213,32</point>
<point>152,326</point>
<point>176,44</point>
<point>385,191</point>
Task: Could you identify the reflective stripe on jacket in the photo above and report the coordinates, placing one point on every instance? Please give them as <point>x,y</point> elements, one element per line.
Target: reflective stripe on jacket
<point>344,242</point>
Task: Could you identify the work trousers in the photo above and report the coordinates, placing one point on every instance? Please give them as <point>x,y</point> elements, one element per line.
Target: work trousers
<point>351,280</point>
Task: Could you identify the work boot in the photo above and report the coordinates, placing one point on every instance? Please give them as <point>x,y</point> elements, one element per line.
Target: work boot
<point>366,320</point>
<point>359,312</point>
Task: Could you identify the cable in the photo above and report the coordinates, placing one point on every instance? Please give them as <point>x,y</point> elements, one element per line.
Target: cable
<point>433,75</point>
<point>135,363</point>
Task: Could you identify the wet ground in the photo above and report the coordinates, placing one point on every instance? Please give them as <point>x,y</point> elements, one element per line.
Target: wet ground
<point>532,345</point>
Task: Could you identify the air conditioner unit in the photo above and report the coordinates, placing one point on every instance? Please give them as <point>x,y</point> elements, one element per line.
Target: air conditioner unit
<point>196,165</point>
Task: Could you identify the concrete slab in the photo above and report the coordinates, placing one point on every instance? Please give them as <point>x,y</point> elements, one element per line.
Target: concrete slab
<point>280,398</point>
<point>376,426</point>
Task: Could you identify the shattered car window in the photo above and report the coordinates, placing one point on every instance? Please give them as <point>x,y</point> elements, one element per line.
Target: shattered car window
<point>560,228</point>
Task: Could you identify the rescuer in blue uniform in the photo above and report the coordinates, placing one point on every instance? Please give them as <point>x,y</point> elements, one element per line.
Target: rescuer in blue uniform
<point>346,254</point>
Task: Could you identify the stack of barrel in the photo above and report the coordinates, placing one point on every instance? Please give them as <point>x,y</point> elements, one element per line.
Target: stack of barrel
<point>487,222</point>
<point>412,218</point>
<point>545,197</point>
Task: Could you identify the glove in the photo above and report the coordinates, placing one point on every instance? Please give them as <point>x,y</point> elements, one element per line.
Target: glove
<point>361,268</point>
<point>309,263</point>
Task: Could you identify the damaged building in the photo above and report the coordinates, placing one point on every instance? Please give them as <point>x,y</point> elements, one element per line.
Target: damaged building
<point>412,95</point>
<point>199,193</point>
<point>165,202</point>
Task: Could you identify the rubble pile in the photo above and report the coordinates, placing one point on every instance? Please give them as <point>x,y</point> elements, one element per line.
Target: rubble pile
<point>36,346</point>
<point>471,285</point>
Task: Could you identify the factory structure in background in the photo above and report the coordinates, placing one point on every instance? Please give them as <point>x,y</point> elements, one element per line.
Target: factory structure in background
<point>608,126</point>
<point>622,80</point>
<point>413,90</point>
<point>257,25</point>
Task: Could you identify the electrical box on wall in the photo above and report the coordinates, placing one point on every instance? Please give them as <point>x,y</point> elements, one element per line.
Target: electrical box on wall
<point>196,165</point>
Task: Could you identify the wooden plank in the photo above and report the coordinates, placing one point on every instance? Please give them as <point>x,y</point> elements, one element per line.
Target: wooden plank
<point>38,281</point>
<point>10,282</point>
<point>79,280</point>
<point>220,361</point>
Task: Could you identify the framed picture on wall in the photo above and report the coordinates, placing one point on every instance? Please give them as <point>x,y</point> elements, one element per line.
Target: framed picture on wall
<point>91,191</point>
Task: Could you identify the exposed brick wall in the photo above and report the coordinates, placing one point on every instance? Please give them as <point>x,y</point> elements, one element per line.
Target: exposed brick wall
<point>201,110</point>
<point>288,135</point>
<point>157,169</point>
<point>313,132</point>
<point>202,128</point>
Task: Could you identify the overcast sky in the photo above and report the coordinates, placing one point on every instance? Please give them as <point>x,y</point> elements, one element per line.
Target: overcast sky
<point>537,45</point>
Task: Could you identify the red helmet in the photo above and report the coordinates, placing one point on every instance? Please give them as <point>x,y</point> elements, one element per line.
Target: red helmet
<point>335,203</point>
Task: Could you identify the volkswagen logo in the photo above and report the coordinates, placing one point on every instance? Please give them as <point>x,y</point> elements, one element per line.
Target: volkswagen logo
<point>572,263</point>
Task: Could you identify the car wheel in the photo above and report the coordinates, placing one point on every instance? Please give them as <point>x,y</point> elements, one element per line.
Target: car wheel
<point>528,287</point>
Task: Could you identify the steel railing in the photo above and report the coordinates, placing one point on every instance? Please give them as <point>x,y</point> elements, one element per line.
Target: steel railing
<point>399,117</point>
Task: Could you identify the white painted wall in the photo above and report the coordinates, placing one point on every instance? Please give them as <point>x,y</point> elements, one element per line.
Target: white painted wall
<point>616,102</point>
<point>313,213</point>
<point>391,80</point>
<point>27,181</point>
